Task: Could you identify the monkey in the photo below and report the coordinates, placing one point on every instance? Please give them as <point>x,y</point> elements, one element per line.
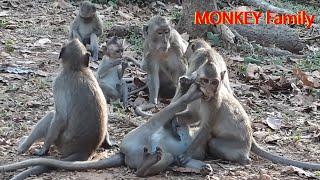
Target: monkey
<point>225,128</point>
<point>197,53</point>
<point>150,148</point>
<point>78,125</point>
<point>87,27</point>
<point>110,72</point>
<point>163,50</point>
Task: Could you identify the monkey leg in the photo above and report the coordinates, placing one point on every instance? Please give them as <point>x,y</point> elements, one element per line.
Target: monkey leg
<point>38,132</point>
<point>109,92</point>
<point>205,169</point>
<point>230,150</point>
<point>56,127</point>
<point>154,163</point>
<point>124,92</point>
<point>42,169</point>
<point>107,143</point>
<point>94,46</point>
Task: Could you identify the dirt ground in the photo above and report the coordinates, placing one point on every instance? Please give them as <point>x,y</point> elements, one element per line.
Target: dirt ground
<point>31,35</point>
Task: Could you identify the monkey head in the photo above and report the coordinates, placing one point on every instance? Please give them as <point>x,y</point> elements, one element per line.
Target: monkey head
<point>74,55</point>
<point>195,45</point>
<point>87,11</point>
<point>114,48</point>
<point>209,78</point>
<point>157,33</point>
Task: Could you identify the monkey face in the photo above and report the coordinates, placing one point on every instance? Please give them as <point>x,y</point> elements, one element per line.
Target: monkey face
<point>114,51</point>
<point>87,11</point>
<point>209,80</point>
<point>161,38</point>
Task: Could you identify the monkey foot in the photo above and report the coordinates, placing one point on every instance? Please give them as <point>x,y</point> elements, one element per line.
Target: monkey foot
<point>40,152</point>
<point>21,145</point>
<point>108,144</point>
<point>206,170</point>
<point>152,158</point>
<point>183,159</point>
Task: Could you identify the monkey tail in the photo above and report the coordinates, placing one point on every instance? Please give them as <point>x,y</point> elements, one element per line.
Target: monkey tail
<point>140,110</point>
<point>113,161</point>
<point>255,148</point>
<point>138,90</point>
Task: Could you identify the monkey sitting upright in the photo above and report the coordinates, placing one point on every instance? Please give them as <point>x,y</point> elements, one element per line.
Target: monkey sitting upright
<point>87,27</point>
<point>77,126</point>
<point>110,72</point>
<point>163,51</point>
<point>225,126</point>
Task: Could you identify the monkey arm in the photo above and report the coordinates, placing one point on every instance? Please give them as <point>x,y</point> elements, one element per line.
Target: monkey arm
<point>153,83</point>
<point>107,66</point>
<point>94,46</point>
<point>134,61</point>
<point>56,126</point>
<point>99,27</point>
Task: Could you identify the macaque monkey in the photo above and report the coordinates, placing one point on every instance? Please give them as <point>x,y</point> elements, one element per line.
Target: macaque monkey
<point>87,27</point>
<point>77,126</point>
<point>110,72</point>
<point>150,148</point>
<point>225,126</point>
<point>163,51</point>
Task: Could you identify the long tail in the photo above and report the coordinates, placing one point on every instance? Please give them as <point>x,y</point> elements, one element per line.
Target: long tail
<point>140,110</point>
<point>32,171</point>
<point>255,148</point>
<point>113,161</point>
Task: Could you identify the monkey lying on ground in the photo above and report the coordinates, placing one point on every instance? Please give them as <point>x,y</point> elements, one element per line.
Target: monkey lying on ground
<point>78,124</point>
<point>225,126</point>
<point>163,51</point>
<point>87,27</point>
<point>110,72</point>
<point>150,148</point>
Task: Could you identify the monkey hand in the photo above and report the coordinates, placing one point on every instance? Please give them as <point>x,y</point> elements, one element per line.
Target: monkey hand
<point>183,159</point>
<point>174,128</point>
<point>185,83</point>
<point>206,170</point>
<point>124,65</point>
<point>192,94</point>
<point>40,152</point>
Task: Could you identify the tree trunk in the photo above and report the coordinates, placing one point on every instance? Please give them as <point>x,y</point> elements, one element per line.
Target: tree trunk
<point>186,22</point>
<point>281,36</point>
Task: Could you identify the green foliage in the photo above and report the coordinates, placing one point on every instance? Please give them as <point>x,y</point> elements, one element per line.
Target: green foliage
<point>310,64</point>
<point>3,23</point>
<point>136,41</point>
<point>9,46</point>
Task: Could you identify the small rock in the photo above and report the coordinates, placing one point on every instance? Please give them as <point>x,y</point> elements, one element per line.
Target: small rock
<point>4,54</point>
<point>41,42</point>
<point>265,177</point>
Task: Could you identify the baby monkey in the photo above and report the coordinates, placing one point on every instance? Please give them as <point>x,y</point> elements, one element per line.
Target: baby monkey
<point>110,72</point>
<point>87,27</point>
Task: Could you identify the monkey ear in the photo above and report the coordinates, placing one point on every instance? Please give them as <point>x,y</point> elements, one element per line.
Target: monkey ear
<point>86,58</point>
<point>222,74</point>
<point>145,30</point>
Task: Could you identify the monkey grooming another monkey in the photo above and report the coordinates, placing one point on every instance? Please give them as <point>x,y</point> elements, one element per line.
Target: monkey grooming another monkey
<point>225,126</point>
<point>150,148</point>
<point>77,126</point>
<point>163,51</point>
<point>87,27</point>
<point>110,72</point>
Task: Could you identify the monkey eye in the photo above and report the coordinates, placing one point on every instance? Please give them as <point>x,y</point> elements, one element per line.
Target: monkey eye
<point>160,33</point>
<point>119,51</point>
<point>215,82</point>
<point>166,32</point>
<point>204,80</point>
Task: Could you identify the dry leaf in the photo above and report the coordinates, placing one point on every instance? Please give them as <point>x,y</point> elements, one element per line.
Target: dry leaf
<point>307,80</point>
<point>252,69</point>
<point>274,122</point>
<point>299,171</point>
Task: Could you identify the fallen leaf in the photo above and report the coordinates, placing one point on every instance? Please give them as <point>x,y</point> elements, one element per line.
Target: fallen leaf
<point>299,171</point>
<point>306,79</point>
<point>274,122</point>
<point>252,70</point>
<point>41,42</point>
